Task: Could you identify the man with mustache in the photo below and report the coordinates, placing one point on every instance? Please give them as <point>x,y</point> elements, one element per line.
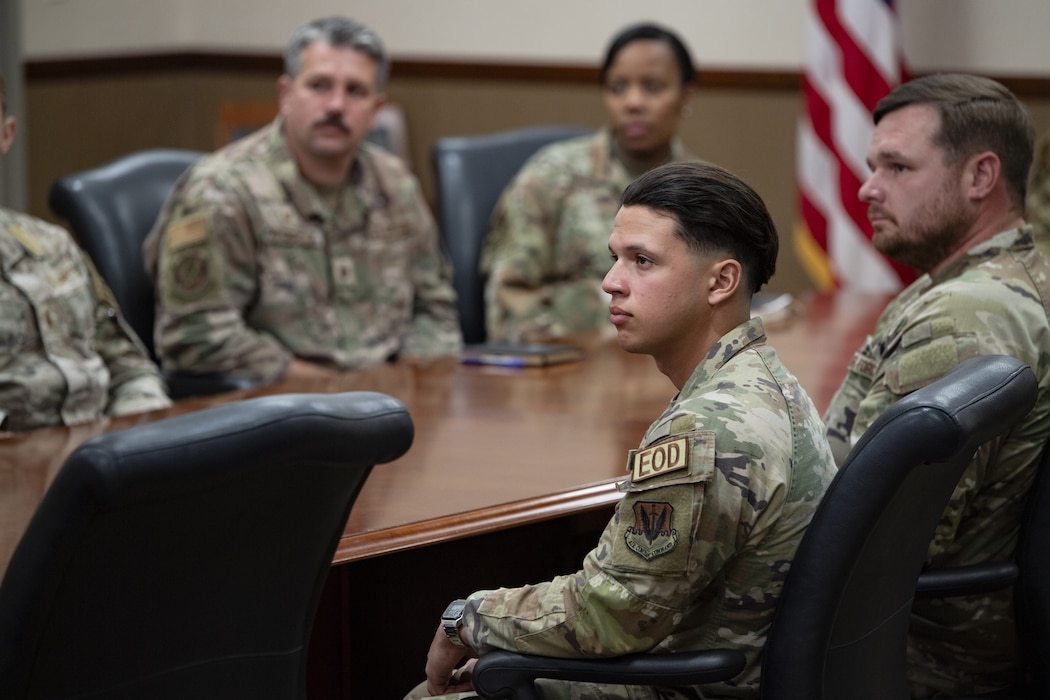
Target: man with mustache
<point>949,160</point>
<point>302,249</point>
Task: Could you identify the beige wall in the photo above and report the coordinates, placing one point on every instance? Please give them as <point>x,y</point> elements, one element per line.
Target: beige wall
<point>1006,37</point>
<point>77,120</point>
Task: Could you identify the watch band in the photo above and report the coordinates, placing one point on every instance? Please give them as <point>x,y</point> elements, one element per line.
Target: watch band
<point>452,620</point>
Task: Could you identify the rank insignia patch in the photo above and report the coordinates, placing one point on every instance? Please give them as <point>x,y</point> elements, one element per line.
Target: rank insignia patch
<point>653,533</point>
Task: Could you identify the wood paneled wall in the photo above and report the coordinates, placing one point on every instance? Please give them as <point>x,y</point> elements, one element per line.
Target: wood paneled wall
<point>84,113</point>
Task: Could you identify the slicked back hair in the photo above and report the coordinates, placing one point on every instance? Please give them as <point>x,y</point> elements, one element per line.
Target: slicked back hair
<point>714,212</point>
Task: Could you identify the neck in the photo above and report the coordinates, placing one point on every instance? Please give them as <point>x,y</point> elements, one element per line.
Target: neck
<point>325,173</point>
<point>639,163</point>
<point>987,225</point>
<point>679,363</point>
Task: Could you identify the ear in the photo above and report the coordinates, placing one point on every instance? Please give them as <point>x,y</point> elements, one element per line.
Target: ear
<point>725,280</point>
<point>982,174</point>
<point>284,87</point>
<point>8,125</point>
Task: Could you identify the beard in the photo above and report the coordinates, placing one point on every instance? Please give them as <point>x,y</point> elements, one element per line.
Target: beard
<point>933,234</point>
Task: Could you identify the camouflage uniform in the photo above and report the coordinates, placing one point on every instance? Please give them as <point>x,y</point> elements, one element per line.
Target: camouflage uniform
<point>720,492</point>
<point>994,300</point>
<point>548,248</point>
<point>66,354</point>
<point>1038,201</point>
<point>254,264</point>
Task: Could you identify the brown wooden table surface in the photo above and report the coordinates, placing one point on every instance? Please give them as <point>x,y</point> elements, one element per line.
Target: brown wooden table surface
<point>494,448</point>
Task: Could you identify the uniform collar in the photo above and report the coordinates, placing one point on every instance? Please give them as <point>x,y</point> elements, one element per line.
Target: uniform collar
<point>303,194</point>
<point>736,341</point>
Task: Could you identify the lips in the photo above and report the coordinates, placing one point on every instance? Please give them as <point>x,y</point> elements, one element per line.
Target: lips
<point>877,214</point>
<point>618,316</point>
<point>635,130</point>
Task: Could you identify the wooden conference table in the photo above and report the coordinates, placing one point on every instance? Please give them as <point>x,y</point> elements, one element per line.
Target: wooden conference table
<point>509,479</point>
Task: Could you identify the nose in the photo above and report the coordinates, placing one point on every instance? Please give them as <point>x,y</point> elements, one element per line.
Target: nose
<point>633,97</point>
<point>613,281</point>
<point>336,101</point>
<point>869,191</point>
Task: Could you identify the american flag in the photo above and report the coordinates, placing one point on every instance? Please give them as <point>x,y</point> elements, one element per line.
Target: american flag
<point>853,59</point>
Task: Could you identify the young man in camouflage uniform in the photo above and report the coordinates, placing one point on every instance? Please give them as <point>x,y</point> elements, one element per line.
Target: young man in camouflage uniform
<point>721,488</point>
<point>66,354</point>
<point>303,249</point>
<point>949,159</point>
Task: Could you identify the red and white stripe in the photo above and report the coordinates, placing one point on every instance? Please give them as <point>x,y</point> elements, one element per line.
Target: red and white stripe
<point>852,61</point>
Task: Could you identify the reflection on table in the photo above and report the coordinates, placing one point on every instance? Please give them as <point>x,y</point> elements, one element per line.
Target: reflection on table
<point>494,447</point>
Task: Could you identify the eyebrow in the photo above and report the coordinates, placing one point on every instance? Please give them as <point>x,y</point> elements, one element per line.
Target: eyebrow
<point>885,155</point>
<point>634,248</point>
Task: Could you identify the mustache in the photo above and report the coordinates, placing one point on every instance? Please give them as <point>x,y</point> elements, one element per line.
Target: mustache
<point>335,120</point>
<point>875,211</point>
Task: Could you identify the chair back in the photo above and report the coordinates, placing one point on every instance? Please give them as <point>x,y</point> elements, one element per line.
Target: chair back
<point>185,558</point>
<point>471,172</point>
<point>110,210</point>
<point>841,625</point>
<point>1032,589</point>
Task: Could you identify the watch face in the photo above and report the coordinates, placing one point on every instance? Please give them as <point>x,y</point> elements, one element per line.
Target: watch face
<point>454,611</point>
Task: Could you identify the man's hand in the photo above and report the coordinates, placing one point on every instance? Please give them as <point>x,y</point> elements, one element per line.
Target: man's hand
<point>442,659</point>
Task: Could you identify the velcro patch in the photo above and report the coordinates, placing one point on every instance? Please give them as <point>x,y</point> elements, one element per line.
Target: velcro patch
<point>921,366</point>
<point>661,458</point>
<point>187,231</point>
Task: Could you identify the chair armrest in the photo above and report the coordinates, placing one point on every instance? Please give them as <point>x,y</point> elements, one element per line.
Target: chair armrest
<point>504,674</point>
<point>966,580</point>
<point>184,385</point>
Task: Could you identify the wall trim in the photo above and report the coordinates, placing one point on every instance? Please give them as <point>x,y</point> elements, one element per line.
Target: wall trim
<point>744,79</point>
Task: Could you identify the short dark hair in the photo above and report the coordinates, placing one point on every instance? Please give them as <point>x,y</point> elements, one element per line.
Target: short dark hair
<point>714,211</point>
<point>977,114</point>
<point>339,32</point>
<point>3,95</point>
<point>652,32</point>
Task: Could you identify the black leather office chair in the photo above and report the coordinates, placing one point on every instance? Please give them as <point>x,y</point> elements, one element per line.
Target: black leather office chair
<point>1032,590</point>
<point>471,172</point>
<point>185,558</point>
<point>110,210</point>
<point>841,626</point>
<point>1029,576</point>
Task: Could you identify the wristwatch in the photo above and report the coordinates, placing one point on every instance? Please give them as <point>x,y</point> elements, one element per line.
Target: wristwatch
<point>452,620</point>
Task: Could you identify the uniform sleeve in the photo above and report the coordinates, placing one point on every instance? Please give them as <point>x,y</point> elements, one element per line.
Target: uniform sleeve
<point>202,252</point>
<point>524,300</point>
<point>135,384</point>
<point>936,338</point>
<point>669,538</point>
<point>435,328</point>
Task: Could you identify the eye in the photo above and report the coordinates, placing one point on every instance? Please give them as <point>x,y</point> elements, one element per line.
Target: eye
<point>643,261</point>
<point>654,87</point>
<point>617,87</point>
<point>899,168</point>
